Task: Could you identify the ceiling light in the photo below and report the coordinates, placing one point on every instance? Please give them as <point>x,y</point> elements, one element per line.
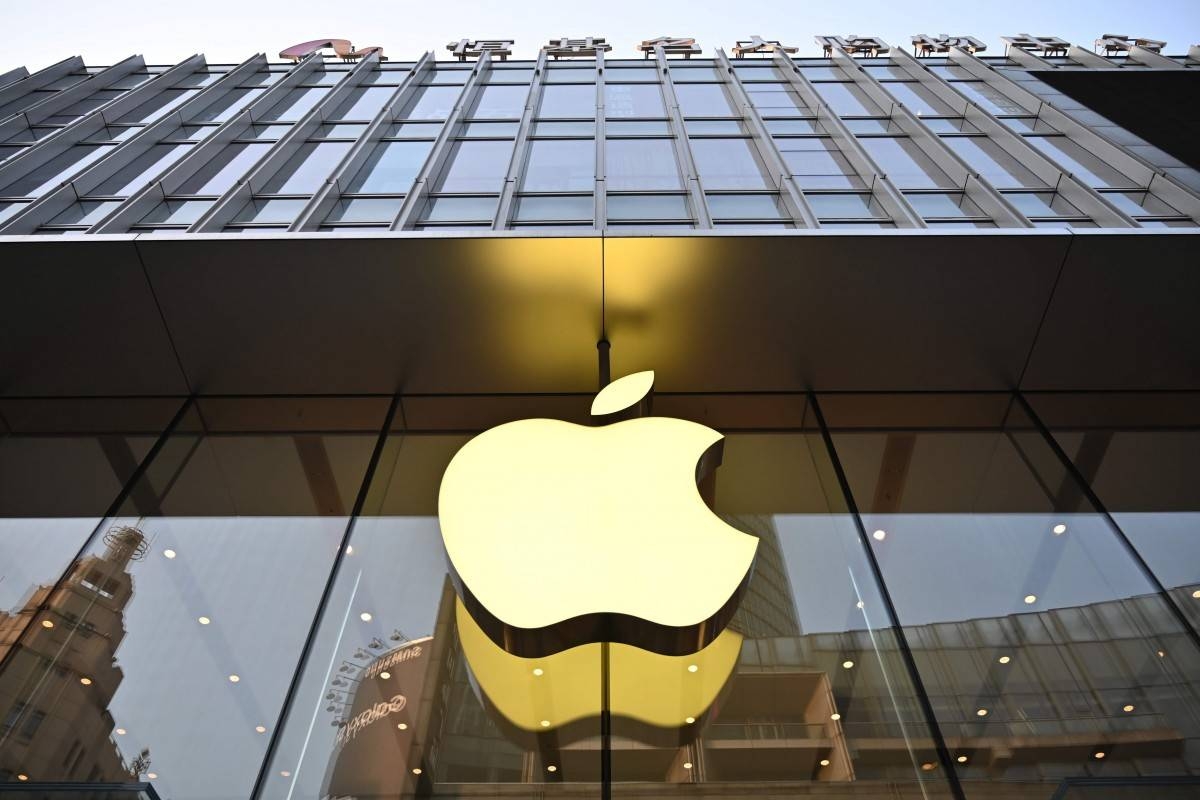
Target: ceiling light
<point>22,777</point>
<point>545,723</point>
<point>402,726</point>
<point>824,762</point>
<point>847,664</point>
<point>152,775</point>
<point>835,716</point>
<point>47,623</point>
<point>169,553</point>
<point>365,616</point>
<point>1162,653</point>
<point>1030,599</point>
<point>86,681</point>
<point>285,773</point>
<point>962,759</point>
<point>983,712</point>
<point>1128,708</point>
<point>234,679</point>
<point>204,620</point>
<point>120,731</point>
<point>1100,754</point>
<point>551,768</point>
<point>859,604</point>
<point>880,535</point>
<point>1196,594</point>
<point>349,549</point>
<point>416,770</point>
<point>538,672</point>
<point>687,765</point>
<point>692,668</point>
<point>1004,659</point>
<point>690,720</point>
<point>1059,529</point>
<point>385,675</point>
<point>927,766</point>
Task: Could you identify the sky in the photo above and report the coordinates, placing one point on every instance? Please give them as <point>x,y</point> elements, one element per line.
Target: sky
<point>167,31</point>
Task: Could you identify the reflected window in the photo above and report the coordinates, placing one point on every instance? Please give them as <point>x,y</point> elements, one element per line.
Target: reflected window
<point>633,100</point>
<point>308,169</point>
<point>729,164</point>
<point>362,103</point>
<point>500,102</point>
<point>905,163</point>
<point>475,166</point>
<point>641,164</point>
<point>560,166</point>
<point>224,169</point>
<point>573,100</point>
<point>391,168</point>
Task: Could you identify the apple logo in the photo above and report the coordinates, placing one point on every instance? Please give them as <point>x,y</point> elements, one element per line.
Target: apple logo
<point>560,534</point>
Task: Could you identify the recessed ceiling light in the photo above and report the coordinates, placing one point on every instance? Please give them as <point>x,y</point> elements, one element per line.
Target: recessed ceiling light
<point>1196,594</point>
<point>1004,659</point>
<point>169,553</point>
<point>690,720</point>
<point>1128,708</point>
<point>824,762</point>
<point>152,775</point>
<point>204,620</point>
<point>22,776</point>
<point>119,731</point>
<point>47,623</point>
<point>545,723</point>
<point>285,773</point>
<point>927,766</point>
<point>260,729</point>
<point>1162,653</point>
<point>687,765</point>
<point>961,759</point>
<point>835,716</point>
<point>86,681</point>
<point>416,770</point>
<point>385,675</point>
<point>402,726</point>
<point>880,535</point>
<point>538,672</point>
<point>551,768</point>
<point>234,679</point>
<point>983,712</point>
<point>349,549</point>
<point>1100,754</point>
<point>365,616</point>
<point>859,604</point>
<point>1030,599</point>
<point>1059,529</point>
<point>847,664</point>
<point>692,668</point>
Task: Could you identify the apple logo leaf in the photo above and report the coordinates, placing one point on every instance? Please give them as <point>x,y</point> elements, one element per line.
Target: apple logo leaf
<point>622,393</point>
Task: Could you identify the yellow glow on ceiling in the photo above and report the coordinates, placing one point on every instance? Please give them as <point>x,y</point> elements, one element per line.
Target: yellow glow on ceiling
<point>644,686</point>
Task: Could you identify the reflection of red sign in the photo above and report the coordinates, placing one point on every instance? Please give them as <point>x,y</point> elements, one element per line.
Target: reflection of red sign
<point>379,743</point>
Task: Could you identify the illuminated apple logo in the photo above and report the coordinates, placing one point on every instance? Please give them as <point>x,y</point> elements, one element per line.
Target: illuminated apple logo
<point>559,534</point>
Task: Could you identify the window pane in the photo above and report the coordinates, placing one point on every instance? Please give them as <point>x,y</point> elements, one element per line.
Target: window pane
<point>176,212</point>
<point>362,103</point>
<point>1042,204</point>
<point>47,176</point>
<point>310,167</point>
<point>459,209</point>
<point>902,161</point>
<point>490,129</point>
<point>633,100</point>
<point>776,100</point>
<point>818,164</point>
<point>84,213</point>
<point>476,166</point>
<point>158,106</point>
<point>844,205</point>
<point>564,128</point>
<point>391,168</point>
<point>918,99</point>
<point>265,210</point>
<point>1140,203</point>
<point>703,100</point>
<point>943,205</point>
<point>648,206</point>
<point>142,170</point>
<point>552,208</point>
<point>991,161</point>
<point>365,209</point>
<point>560,166</point>
<point>500,102</point>
<point>846,99</point>
<point>431,102</point>
<point>728,164</point>
<point>296,104</point>
<point>1082,164</point>
<point>568,101</point>
<point>746,206</point>
<point>641,164</point>
<point>989,99</point>
<point>224,169</point>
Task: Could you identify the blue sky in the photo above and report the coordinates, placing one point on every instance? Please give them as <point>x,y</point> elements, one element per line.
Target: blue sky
<point>230,31</point>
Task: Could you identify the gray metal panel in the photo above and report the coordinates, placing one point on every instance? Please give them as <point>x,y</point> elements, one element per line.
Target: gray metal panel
<point>1123,314</point>
<point>39,79</point>
<point>77,317</point>
<point>13,75</point>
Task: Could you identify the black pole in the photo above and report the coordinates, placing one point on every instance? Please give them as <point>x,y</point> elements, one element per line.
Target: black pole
<point>603,347</point>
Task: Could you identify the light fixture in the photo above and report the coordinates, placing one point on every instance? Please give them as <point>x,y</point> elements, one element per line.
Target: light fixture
<point>402,726</point>
<point>385,675</point>
<point>86,681</point>
<point>835,716</point>
<point>847,664</point>
<point>285,773</point>
<point>1059,529</point>
<point>538,672</point>
<point>880,535</point>
<point>690,720</point>
<point>1162,653</point>
<point>416,770</point>
<point>1100,754</point>
<point>545,723</point>
<point>859,604</point>
<point>1196,594</point>
<point>824,762</point>
<point>260,729</point>
<point>119,731</point>
<point>687,765</point>
<point>22,777</point>
<point>983,712</point>
<point>47,623</point>
<point>692,668</point>
<point>551,768</point>
<point>927,766</point>
<point>169,553</point>
<point>1030,599</point>
<point>203,620</point>
<point>234,679</point>
<point>961,759</point>
<point>349,549</point>
<point>1004,659</point>
<point>365,616</point>
<point>152,775</point>
<point>1128,708</point>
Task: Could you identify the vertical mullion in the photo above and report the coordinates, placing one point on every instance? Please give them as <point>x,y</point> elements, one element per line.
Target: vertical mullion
<point>600,187</point>
<point>319,614</point>
<point>793,196</point>
<point>440,152</point>
<point>910,663</point>
<point>683,150</point>
<point>517,161</point>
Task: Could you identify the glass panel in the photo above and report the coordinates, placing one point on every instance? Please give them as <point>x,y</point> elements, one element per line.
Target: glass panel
<point>1030,622</point>
<point>561,165</point>
<point>953,125</point>
<point>846,99</point>
<point>490,129</point>
<point>633,100</point>
<point>618,74</point>
<point>431,102</point>
<point>295,104</point>
<point>564,128</point>
<point>568,101</point>
<point>729,164</point>
<point>992,162</point>
<point>746,206</point>
<point>343,131</point>
<point>501,75</point>
<point>142,170</point>
<point>47,176</point>
<point>455,209</point>
<point>264,210</point>
<point>989,99</point>
<point>475,166</point>
<point>177,212</point>
<point>84,213</point>
<point>1042,204</point>
<point>944,205</point>
<point>362,103</point>
<point>391,168</point>
<point>570,207</point>
<point>635,127</point>
<point>1140,203</point>
<point>818,163</point>
<point>365,209</point>
<point>224,169</point>
<point>905,163</point>
<point>704,100</point>
<point>714,126</point>
<point>692,73</point>
<point>158,106</point>
<point>778,126</point>
<point>310,167</point>
<point>920,100</point>
<point>447,75</point>
<point>500,102</point>
<point>776,100</point>
<point>641,164</point>
<point>844,205</point>
<point>1079,162</point>
<point>414,130</point>
<point>648,206</point>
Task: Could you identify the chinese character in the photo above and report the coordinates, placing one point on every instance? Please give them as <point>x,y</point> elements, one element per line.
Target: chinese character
<point>570,48</point>
<point>854,45</point>
<point>1113,43</point>
<point>672,46</point>
<point>1046,45</point>
<point>470,48</point>
<point>927,45</point>
<point>756,44</point>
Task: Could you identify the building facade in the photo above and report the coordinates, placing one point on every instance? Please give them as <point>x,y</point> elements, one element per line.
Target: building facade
<point>941,306</point>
